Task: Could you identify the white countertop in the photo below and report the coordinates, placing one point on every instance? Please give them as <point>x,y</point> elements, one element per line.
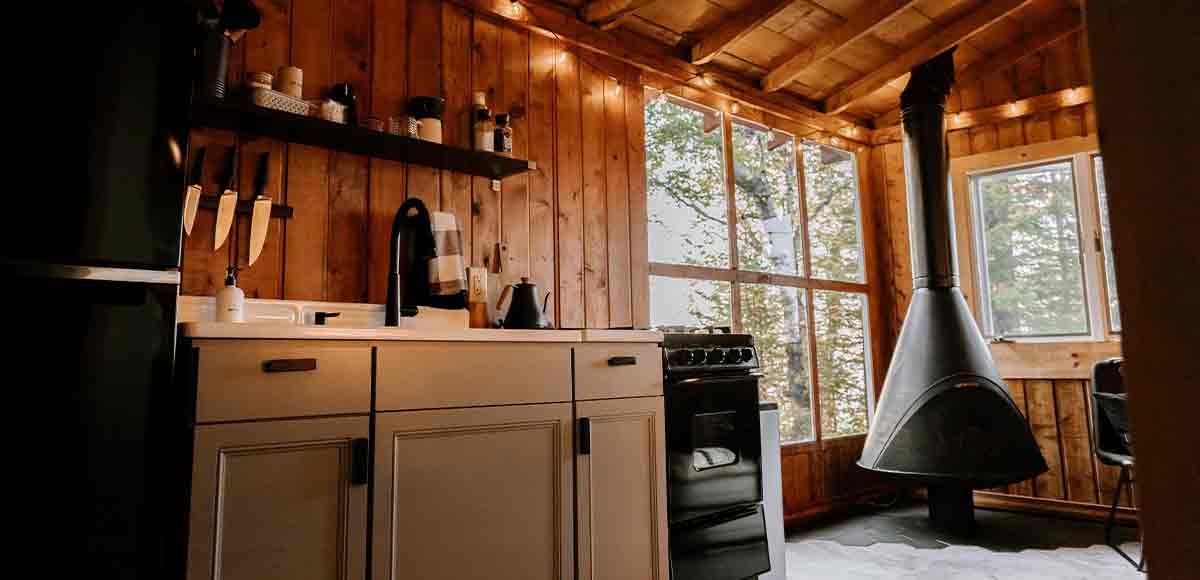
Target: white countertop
<point>283,331</point>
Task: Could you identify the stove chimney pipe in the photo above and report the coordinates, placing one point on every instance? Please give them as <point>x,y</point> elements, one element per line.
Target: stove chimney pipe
<point>922,110</point>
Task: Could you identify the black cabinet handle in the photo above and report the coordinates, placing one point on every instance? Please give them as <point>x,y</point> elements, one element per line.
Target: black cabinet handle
<point>289,365</point>
<point>360,458</point>
<point>585,436</point>
<point>622,361</point>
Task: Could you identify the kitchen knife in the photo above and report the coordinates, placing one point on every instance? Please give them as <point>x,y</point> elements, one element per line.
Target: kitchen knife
<point>261,215</point>
<point>228,201</point>
<point>191,196</point>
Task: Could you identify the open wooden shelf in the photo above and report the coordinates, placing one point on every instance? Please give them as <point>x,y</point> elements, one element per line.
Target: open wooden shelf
<point>250,119</point>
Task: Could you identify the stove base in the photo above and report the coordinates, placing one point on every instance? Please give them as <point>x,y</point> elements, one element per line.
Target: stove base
<point>952,508</point>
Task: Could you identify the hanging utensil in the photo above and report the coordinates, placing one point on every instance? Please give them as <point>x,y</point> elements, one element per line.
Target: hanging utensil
<point>228,201</point>
<point>261,216</point>
<point>191,196</point>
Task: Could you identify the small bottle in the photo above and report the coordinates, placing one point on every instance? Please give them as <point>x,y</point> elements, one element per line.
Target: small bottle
<point>503,136</point>
<point>483,131</point>
<point>231,301</point>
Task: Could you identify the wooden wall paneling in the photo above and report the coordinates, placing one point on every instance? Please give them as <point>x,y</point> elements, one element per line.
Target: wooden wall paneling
<point>1016,388</point>
<point>897,209</point>
<point>595,200</point>
<point>1089,119</point>
<point>1030,80</point>
<point>307,174</point>
<point>1068,122</point>
<point>457,122</point>
<point>958,143</point>
<point>424,79</point>
<point>983,138</point>
<point>639,258</point>
<point>346,272</point>
<point>514,202</point>
<point>541,118</point>
<point>798,481</point>
<point>485,201</point>
<point>1071,397</point>
<point>389,82</point>
<point>1039,397</point>
<point>266,48</point>
<point>203,271</point>
<point>1010,133</point>
<point>878,267</point>
<point>569,190</point>
<point>616,171</point>
<point>1038,128</point>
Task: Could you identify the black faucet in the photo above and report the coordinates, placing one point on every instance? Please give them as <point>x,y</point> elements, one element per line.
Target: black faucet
<point>402,293</point>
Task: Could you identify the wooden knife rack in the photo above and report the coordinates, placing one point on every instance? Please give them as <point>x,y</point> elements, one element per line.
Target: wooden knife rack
<point>246,206</point>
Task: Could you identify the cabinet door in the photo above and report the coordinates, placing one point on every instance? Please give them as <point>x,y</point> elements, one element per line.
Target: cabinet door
<point>277,499</point>
<point>622,489</point>
<point>478,493</point>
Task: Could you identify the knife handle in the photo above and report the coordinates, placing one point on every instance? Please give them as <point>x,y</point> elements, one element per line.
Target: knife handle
<point>231,166</point>
<point>260,173</point>
<point>197,166</point>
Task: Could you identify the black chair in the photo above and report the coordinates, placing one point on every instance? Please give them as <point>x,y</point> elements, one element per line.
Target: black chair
<point>1114,445</point>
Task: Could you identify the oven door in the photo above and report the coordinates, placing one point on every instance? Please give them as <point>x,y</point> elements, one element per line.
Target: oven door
<point>729,545</point>
<point>713,447</point>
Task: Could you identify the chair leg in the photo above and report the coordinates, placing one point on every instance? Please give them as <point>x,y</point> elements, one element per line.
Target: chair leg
<point>1122,482</point>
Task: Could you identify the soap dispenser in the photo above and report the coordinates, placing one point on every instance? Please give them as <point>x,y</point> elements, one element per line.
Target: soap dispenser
<point>231,301</point>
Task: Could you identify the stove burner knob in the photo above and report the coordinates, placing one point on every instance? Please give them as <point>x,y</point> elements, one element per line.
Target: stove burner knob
<point>715,356</point>
<point>681,357</point>
<point>697,356</point>
<point>733,356</point>
<point>747,354</point>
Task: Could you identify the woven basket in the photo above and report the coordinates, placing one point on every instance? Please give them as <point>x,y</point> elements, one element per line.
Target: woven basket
<point>270,99</point>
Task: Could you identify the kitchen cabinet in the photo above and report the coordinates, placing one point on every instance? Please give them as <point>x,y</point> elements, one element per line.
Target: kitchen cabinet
<point>280,499</point>
<point>481,492</point>
<point>621,489</point>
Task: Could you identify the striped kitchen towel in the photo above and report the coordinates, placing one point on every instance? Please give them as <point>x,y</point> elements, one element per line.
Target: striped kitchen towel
<point>447,274</point>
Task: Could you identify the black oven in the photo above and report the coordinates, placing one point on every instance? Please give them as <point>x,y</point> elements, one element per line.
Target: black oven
<point>714,453</point>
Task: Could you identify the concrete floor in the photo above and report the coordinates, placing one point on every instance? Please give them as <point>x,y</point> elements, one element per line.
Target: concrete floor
<point>898,542</point>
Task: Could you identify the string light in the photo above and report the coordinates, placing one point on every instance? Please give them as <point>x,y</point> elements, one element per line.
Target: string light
<point>835,141</point>
<point>514,9</point>
<point>562,57</point>
<point>617,90</point>
<point>733,108</point>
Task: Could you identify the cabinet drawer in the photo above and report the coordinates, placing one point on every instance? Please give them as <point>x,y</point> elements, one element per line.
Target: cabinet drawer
<point>439,375</point>
<point>265,379</point>
<point>614,370</point>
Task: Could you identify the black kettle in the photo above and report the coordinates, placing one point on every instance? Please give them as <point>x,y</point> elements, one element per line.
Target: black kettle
<point>525,309</point>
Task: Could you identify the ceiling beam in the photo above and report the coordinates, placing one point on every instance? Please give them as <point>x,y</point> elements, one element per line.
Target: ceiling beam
<point>853,29</point>
<point>1060,27</point>
<point>547,17</point>
<point>992,115</point>
<point>956,32</point>
<point>738,25</point>
<point>607,13</point>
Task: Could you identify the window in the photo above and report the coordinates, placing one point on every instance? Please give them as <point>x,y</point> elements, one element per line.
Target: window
<point>746,246</point>
<point>1040,243</point>
<point>1028,231</point>
<point>1110,280</point>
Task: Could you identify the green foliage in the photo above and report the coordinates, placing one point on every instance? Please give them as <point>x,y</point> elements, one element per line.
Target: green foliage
<point>1031,240</point>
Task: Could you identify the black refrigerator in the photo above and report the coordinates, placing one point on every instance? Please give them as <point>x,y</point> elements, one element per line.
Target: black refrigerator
<point>91,276</point>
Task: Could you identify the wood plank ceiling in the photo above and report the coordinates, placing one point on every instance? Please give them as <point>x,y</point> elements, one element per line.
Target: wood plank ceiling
<point>847,57</point>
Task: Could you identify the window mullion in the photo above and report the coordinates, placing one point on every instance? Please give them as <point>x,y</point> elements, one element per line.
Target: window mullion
<point>735,291</point>
<point>802,209</point>
<point>1089,234</point>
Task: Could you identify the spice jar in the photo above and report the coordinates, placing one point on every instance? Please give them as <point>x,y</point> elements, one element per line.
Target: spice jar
<point>502,137</point>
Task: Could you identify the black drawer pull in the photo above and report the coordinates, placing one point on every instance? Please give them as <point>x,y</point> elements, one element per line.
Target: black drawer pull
<point>289,365</point>
<point>360,461</point>
<point>622,361</point>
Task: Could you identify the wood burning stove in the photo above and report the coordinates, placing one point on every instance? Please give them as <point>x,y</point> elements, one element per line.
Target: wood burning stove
<point>944,418</point>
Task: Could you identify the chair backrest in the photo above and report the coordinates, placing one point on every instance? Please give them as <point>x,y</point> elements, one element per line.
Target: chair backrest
<point>1110,423</point>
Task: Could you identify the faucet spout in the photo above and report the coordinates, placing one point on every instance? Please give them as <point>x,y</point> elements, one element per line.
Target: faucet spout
<point>402,244</point>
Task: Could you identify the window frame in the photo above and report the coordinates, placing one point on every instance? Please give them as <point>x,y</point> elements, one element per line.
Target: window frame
<point>870,288</point>
<point>1080,153</point>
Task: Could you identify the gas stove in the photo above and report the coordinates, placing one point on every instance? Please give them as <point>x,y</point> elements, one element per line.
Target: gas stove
<point>693,353</point>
